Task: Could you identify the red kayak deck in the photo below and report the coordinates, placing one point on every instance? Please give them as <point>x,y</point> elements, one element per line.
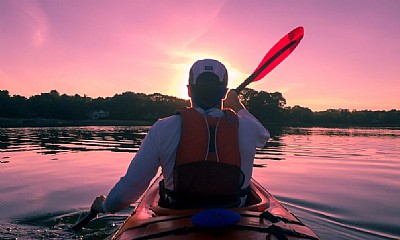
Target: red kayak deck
<point>264,219</point>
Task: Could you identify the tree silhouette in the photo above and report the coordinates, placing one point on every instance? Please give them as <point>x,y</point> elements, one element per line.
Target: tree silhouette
<point>269,108</point>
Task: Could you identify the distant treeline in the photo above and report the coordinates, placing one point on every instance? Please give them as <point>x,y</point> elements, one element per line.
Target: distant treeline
<point>269,108</point>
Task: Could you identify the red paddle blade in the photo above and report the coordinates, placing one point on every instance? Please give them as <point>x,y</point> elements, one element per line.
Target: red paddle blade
<point>278,52</point>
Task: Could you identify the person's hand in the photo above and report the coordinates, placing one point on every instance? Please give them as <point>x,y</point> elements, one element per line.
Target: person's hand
<point>97,204</point>
<point>232,101</point>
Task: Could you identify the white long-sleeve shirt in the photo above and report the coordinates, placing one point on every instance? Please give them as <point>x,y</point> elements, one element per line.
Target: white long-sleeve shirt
<point>159,149</point>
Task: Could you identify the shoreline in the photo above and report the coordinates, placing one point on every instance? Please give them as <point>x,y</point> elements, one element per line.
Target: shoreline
<point>41,122</point>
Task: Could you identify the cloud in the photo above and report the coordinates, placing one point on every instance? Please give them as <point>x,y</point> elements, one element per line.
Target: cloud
<point>38,21</point>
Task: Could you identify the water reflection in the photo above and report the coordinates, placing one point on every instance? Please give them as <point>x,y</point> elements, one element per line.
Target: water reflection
<point>350,132</point>
<point>328,143</point>
<point>75,139</point>
<point>341,182</point>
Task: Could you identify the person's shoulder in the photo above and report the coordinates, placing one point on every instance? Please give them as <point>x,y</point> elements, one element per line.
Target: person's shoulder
<point>244,114</point>
<point>171,118</point>
<point>165,128</point>
<point>168,121</point>
<point>246,119</point>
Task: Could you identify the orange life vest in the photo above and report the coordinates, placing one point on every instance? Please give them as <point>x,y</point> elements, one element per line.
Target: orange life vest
<point>208,165</point>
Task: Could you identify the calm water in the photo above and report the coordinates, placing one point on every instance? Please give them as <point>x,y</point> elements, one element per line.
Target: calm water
<point>343,183</point>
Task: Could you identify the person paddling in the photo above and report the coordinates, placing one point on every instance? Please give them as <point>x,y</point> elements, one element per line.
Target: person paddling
<point>205,152</point>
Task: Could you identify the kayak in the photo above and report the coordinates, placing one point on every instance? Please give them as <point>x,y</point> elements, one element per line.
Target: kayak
<point>264,218</point>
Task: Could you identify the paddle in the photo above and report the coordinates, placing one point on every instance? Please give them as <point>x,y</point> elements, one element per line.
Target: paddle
<point>275,55</point>
<point>77,227</point>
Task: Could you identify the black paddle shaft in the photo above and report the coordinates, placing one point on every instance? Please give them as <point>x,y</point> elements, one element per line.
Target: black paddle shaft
<point>93,213</point>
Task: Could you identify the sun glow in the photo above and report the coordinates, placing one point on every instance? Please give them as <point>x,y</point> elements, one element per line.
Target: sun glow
<point>236,75</point>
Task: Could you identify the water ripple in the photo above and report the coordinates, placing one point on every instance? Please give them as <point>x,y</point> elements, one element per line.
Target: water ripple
<point>339,222</point>
<point>57,140</point>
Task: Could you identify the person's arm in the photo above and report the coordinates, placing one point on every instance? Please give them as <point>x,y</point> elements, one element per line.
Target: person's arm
<point>252,134</point>
<point>261,135</point>
<point>130,187</point>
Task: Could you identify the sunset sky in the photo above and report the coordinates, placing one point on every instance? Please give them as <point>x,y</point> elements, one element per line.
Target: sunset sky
<point>349,57</point>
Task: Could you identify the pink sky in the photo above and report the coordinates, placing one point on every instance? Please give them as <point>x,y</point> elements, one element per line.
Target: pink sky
<point>349,57</point>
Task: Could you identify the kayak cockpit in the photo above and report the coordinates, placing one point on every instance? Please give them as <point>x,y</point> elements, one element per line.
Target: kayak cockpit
<point>262,218</point>
<point>257,202</point>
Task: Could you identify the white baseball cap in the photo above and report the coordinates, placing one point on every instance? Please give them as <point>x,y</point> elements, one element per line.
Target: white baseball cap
<point>208,66</point>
